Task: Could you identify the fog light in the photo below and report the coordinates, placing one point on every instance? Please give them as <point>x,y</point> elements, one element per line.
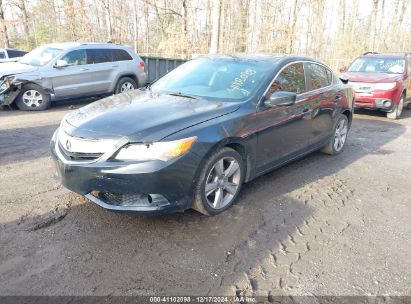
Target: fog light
<point>387,103</point>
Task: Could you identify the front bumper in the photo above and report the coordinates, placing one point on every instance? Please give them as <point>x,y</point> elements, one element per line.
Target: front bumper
<point>378,100</point>
<point>150,188</point>
<point>8,96</point>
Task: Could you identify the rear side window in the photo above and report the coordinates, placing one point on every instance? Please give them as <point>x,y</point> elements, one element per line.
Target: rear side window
<point>14,54</point>
<point>2,55</point>
<point>77,57</point>
<point>120,55</point>
<point>319,76</point>
<point>98,56</point>
<point>291,79</point>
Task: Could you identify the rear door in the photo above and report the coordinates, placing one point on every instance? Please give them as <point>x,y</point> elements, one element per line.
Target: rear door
<point>325,98</point>
<point>284,131</point>
<point>102,69</point>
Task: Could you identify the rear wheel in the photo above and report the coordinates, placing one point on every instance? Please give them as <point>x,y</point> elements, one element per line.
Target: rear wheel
<point>397,111</point>
<point>32,97</point>
<point>219,182</point>
<point>339,137</point>
<point>125,84</point>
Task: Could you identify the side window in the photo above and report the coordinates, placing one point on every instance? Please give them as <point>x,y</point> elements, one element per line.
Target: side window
<point>120,55</point>
<point>98,56</point>
<point>291,79</point>
<point>13,54</point>
<point>318,75</point>
<point>77,57</point>
<point>2,55</point>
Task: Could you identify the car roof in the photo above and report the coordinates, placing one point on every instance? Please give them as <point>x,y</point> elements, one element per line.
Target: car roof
<point>69,45</point>
<point>262,57</point>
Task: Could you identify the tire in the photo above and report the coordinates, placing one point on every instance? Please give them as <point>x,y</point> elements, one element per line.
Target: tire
<point>340,132</point>
<point>32,97</point>
<point>409,106</point>
<point>218,183</point>
<point>125,84</point>
<point>397,111</point>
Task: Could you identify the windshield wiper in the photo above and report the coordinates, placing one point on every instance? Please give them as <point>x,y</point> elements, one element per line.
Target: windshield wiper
<point>179,94</point>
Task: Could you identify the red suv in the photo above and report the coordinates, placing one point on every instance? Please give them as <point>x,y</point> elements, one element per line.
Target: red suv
<point>381,82</point>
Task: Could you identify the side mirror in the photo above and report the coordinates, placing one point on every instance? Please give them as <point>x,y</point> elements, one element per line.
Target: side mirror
<point>343,69</point>
<point>344,79</point>
<point>280,99</point>
<point>60,64</point>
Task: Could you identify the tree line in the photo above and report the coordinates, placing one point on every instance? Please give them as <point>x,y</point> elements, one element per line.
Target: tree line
<point>328,29</point>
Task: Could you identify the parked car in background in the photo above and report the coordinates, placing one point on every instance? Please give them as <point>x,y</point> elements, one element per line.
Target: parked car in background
<point>196,135</point>
<point>381,82</point>
<point>69,70</point>
<point>8,55</point>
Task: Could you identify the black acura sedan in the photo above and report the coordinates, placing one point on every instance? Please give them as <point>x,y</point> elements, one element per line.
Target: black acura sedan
<point>198,134</point>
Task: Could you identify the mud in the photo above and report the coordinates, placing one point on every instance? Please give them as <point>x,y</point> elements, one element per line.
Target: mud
<point>321,225</point>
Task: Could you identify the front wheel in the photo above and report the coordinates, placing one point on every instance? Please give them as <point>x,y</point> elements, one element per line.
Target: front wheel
<point>125,84</point>
<point>397,111</point>
<point>337,141</point>
<point>219,182</point>
<point>32,97</point>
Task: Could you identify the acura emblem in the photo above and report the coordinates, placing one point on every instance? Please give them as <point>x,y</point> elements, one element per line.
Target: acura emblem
<point>68,144</point>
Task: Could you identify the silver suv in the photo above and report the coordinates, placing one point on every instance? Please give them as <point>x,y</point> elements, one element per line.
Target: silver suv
<point>69,70</point>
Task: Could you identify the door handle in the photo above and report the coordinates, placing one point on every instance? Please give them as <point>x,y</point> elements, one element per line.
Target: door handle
<point>114,66</point>
<point>83,69</point>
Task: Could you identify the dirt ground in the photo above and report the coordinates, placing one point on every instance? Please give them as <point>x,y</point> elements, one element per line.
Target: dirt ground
<point>319,226</point>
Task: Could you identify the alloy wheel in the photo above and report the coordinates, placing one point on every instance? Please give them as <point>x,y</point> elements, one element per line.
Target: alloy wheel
<point>340,135</point>
<point>127,86</point>
<point>32,98</point>
<point>223,182</point>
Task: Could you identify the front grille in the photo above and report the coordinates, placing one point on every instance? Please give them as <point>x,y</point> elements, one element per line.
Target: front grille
<point>362,87</point>
<point>79,156</point>
<point>134,200</point>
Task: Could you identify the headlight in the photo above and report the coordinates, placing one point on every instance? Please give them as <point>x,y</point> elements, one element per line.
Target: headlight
<point>156,151</point>
<point>4,86</point>
<point>385,86</point>
<point>6,83</point>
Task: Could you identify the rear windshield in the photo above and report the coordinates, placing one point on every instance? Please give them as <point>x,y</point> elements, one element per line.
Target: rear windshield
<point>378,65</point>
<point>223,79</point>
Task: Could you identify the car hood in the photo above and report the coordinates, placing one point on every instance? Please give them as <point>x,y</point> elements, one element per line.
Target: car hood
<point>13,68</point>
<point>372,77</point>
<point>143,116</point>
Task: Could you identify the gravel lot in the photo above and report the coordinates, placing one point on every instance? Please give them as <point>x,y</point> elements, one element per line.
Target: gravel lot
<point>322,225</point>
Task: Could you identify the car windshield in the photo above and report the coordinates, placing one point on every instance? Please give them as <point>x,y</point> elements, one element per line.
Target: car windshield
<point>378,65</point>
<point>216,78</point>
<point>40,56</point>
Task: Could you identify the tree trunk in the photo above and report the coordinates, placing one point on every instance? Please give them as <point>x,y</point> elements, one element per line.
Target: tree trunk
<point>292,25</point>
<point>107,15</point>
<point>373,25</point>
<point>3,27</point>
<point>215,27</point>
<point>135,25</point>
<point>25,20</point>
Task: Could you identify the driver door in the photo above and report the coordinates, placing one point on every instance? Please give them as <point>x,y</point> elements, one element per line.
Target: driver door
<point>72,80</point>
<point>284,131</point>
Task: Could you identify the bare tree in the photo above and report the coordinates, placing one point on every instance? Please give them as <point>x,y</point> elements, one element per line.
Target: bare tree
<point>3,27</point>
<point>215,27</point>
